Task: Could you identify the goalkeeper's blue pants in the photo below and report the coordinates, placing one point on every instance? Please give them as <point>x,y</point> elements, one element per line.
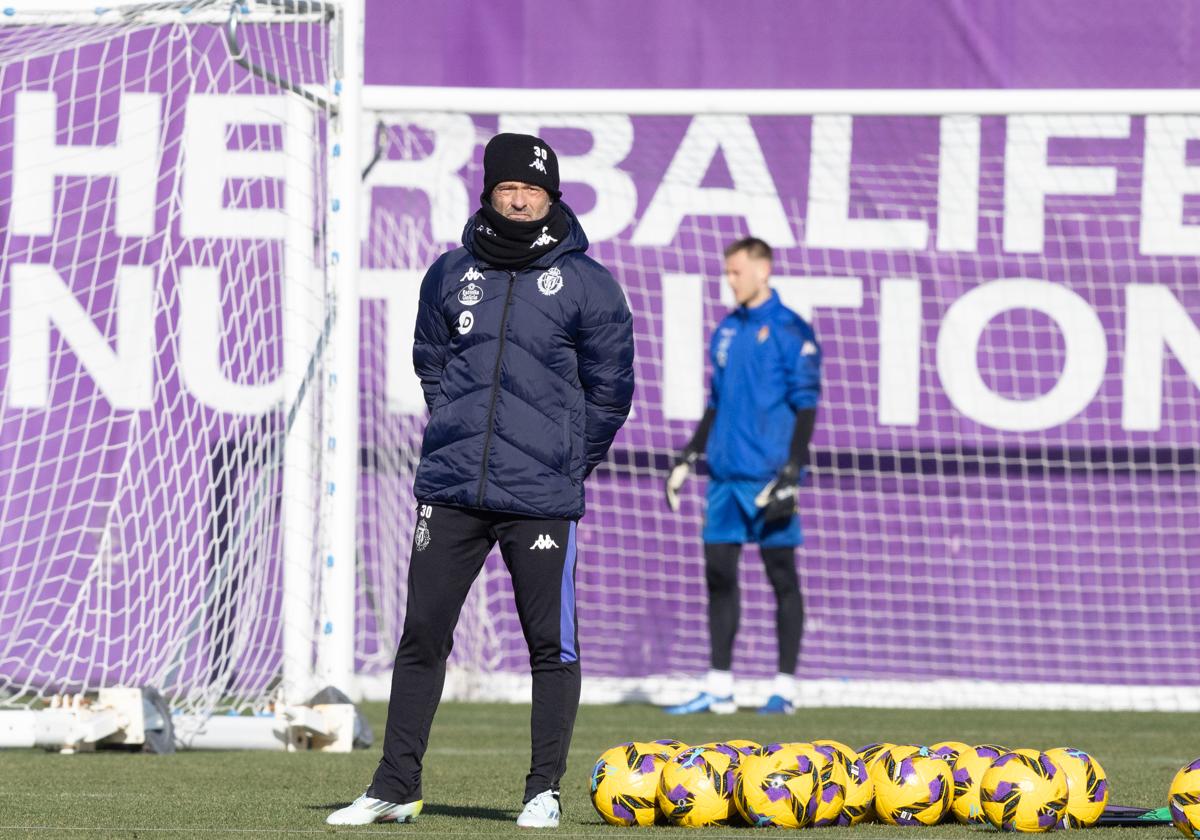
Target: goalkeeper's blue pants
<point>732,517</point>
<point>449,548</point>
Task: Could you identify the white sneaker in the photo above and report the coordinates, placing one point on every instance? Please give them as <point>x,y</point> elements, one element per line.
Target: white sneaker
<point>543,811</point>
<point>366,810</point>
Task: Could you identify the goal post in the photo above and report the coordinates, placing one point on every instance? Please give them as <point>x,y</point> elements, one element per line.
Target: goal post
<point>178,403</point>
<point>1003,283</point>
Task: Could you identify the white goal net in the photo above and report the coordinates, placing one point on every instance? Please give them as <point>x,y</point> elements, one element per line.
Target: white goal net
<point>164,355</point>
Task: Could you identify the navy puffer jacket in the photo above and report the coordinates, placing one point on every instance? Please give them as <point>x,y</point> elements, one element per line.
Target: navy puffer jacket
<point>528,375</point>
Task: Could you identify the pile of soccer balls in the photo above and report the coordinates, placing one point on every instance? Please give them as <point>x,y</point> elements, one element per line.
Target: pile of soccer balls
<point>794,785</point>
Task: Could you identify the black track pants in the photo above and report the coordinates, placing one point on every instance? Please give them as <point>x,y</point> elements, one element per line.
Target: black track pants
<point>724,602</point>
<point>447,554</point>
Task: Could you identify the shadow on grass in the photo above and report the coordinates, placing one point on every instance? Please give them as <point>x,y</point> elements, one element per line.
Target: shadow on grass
<point>470,811</point>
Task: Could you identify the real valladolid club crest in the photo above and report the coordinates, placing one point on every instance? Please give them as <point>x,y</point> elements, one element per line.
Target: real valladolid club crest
<point>422,535</point>
<point>550,281</point>
<point>470,295</point>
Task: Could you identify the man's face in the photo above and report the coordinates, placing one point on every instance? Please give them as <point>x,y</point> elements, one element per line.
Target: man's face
<point>520,202</point>
<point>748,278</point>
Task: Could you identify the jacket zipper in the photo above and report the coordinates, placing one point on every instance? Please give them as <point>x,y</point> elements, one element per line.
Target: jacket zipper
<point>487,441</point>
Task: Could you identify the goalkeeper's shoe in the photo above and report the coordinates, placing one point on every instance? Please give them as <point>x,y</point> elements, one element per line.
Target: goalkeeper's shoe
<point>704,702</point>
<point>777,705</point>
<point>367,809</point>
<point>543,811</point>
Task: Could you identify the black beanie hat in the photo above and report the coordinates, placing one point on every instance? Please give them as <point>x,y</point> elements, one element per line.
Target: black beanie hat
<point>519,157</point>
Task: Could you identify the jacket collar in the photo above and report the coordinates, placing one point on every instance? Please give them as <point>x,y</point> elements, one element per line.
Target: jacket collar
<point>764,311</point>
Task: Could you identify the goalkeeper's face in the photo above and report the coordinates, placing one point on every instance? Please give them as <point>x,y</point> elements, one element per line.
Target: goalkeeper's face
<point>520,202</point>
<point>748,277</point>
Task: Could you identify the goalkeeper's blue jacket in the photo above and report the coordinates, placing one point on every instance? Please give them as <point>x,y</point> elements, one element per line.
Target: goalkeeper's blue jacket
<point>528,376</point>
<point>766,366</point>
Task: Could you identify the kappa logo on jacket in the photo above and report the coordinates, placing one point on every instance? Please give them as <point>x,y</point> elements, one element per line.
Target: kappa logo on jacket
<point>472,274</point>
<point>550,281</point>
<point>543,541</point>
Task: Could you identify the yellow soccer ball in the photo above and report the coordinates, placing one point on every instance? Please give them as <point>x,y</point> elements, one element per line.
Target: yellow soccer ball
<point>912,787</point>
<point>1024,790</point>
<point>696,788</point>
<point>1087,787</point>
<point>776,787</point>
<point>625,782</point>
<point>831,781</point>
<point>1184,800</point>
<point>859,804</point>
<point>969,768</point>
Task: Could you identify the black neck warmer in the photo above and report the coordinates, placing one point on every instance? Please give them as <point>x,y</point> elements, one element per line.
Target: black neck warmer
<point>505,243</point>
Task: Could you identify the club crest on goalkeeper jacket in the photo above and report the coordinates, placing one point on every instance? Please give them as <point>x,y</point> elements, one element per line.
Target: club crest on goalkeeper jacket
<point>766,366</point>
<point>524,405</point>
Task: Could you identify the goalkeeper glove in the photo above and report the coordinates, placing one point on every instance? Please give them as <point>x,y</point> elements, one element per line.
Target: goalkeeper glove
<point>778,499</point>
<point>678,475</point>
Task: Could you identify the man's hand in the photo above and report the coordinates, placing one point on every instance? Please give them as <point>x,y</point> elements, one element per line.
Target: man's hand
<point>678,475</point>
<point>778,499</point>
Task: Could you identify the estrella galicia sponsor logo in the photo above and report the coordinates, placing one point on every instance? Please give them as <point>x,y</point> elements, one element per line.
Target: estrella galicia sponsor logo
<point>550,281</point>
<point>470,295</point>
<point>472,275</point>
<point>465,321</point>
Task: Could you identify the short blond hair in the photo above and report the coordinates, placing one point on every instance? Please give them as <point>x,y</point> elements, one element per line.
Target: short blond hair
<point>754,247</point>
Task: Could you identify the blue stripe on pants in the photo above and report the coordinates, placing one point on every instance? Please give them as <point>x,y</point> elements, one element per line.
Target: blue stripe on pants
<point>566,617</point>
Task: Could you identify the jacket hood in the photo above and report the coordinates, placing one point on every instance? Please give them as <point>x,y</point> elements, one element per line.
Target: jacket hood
<point>575,240</point>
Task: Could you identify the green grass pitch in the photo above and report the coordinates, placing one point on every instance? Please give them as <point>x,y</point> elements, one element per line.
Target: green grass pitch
<point>476,764</point>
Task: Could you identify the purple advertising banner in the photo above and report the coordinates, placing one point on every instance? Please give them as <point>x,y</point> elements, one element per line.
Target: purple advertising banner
<point>784,44</point>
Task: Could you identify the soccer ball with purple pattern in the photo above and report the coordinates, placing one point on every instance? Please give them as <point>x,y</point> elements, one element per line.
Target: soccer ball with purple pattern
<point>1087,786</point>
<point>831,781</point>
<point>776,787</point>
<point>912,788</point>
<point>1184,800</point>
<point>859,804</point>
<point>969,768</point>
<point>696,788</point>
<point>625,781</point>
<point>1024,790</point>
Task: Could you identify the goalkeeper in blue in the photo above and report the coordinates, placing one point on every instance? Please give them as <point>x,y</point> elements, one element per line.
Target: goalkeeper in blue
<point>755,433</point>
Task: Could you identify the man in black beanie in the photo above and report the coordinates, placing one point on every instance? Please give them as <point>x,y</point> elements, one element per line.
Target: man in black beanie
<point>524,348</point>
